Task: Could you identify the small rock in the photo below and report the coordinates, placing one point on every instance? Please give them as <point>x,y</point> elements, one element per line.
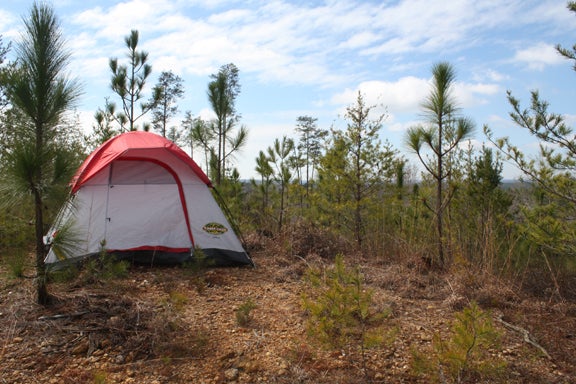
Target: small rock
<point>231,374</point>
<point>115,322</point>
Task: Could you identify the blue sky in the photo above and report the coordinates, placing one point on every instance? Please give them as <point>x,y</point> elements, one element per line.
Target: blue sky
<point>312,57</point>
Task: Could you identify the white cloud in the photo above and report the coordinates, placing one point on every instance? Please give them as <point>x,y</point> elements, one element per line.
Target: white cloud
<point>499,121</point>
<point>570,120</point>
<point>206,114</point>
<point>7,19</point>
<point>230,17</point>
<point>359,40</point>
<point>269,41</point>
<point>538,56</point>
<point>280,41</point>
<point>471,94</point>
<point>425,26</point>
<point>401,127</point>
<point>86,120</point>
<point>285,42</point>
<point>115,22</point>
<point>399,96</point>
<point>406,95</point>
<point>489,75</point>
<point>8,26</point>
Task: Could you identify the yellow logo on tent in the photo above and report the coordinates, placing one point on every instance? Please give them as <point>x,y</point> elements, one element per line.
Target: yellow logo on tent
<point>215,228</point>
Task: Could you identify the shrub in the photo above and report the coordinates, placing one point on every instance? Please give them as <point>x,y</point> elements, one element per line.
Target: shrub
<point>105,267</point>
<point>465,355</point>
<point>244,312</point>
<point>196,268</point>
<point>339,309</point>
<point>64,275</point>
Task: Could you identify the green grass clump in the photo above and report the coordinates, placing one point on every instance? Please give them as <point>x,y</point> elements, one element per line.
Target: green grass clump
<point>16,263</point>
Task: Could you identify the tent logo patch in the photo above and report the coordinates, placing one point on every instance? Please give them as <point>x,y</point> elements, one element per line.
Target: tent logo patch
<point>215,228</point>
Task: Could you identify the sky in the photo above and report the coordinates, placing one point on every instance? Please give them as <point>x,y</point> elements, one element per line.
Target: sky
<point>311,58</point>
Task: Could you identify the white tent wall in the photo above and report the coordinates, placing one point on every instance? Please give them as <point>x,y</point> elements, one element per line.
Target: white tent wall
<point>145,215</point>
<point>90,206</point>
<point>206,213</point>
<point>84,213</point>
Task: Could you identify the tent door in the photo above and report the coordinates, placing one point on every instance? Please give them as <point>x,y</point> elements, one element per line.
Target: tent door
<point>145,216</point>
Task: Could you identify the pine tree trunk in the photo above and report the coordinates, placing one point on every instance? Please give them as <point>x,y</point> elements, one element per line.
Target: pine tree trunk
<point>42,290</point>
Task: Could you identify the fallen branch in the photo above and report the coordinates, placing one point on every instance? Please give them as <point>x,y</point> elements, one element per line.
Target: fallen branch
<point>527,337</point>
<point>63,316</point>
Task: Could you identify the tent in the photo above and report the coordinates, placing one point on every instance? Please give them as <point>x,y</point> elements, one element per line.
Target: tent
<point>141,197</point>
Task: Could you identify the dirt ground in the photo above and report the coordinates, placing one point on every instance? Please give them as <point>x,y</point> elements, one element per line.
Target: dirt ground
<point>178,325</point>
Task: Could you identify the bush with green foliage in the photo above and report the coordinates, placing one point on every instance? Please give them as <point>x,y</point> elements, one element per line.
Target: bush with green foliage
<point>339,307</point>
<point>196,268</point>
<point>105,267</point>
<point>244,312</point>
<point>465,356</point>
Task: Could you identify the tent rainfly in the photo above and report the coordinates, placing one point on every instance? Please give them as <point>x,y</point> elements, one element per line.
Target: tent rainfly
<point>141,197</point>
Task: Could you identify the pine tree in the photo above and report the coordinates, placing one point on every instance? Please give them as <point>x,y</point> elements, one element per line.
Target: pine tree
<point>445,131</point>
<point>39,88</point>
<point>128,83</point>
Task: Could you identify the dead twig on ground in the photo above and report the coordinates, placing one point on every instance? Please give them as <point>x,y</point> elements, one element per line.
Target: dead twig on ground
<point>527,337</point>
<point>63,316</point>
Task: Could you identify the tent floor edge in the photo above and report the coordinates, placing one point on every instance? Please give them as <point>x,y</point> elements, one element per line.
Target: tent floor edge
<point>227,258</point>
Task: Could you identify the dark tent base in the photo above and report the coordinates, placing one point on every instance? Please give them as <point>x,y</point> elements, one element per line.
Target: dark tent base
<point>153,257</point>
<point>225,258</point>
<point>210,257</point>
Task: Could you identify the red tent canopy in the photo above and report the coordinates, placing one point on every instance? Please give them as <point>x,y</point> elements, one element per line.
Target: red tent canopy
<point>121,145</point>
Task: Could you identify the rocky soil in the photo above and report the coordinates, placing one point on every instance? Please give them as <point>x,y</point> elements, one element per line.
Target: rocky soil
<point>180,325</point>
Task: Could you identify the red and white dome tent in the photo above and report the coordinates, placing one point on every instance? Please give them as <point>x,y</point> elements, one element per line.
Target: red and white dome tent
<point>143,198</point>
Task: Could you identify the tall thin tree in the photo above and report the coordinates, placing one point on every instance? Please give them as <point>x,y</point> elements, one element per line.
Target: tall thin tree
<point>445,131</point>
<point>39,87</point>
<point>370,163</point>
<point>128,83</point>
<point>309,144</point>
<point>164,97</point>
<point>278,154</point>
<point>265,170</point>
<point>222,93</point>
<point>199,134</point>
